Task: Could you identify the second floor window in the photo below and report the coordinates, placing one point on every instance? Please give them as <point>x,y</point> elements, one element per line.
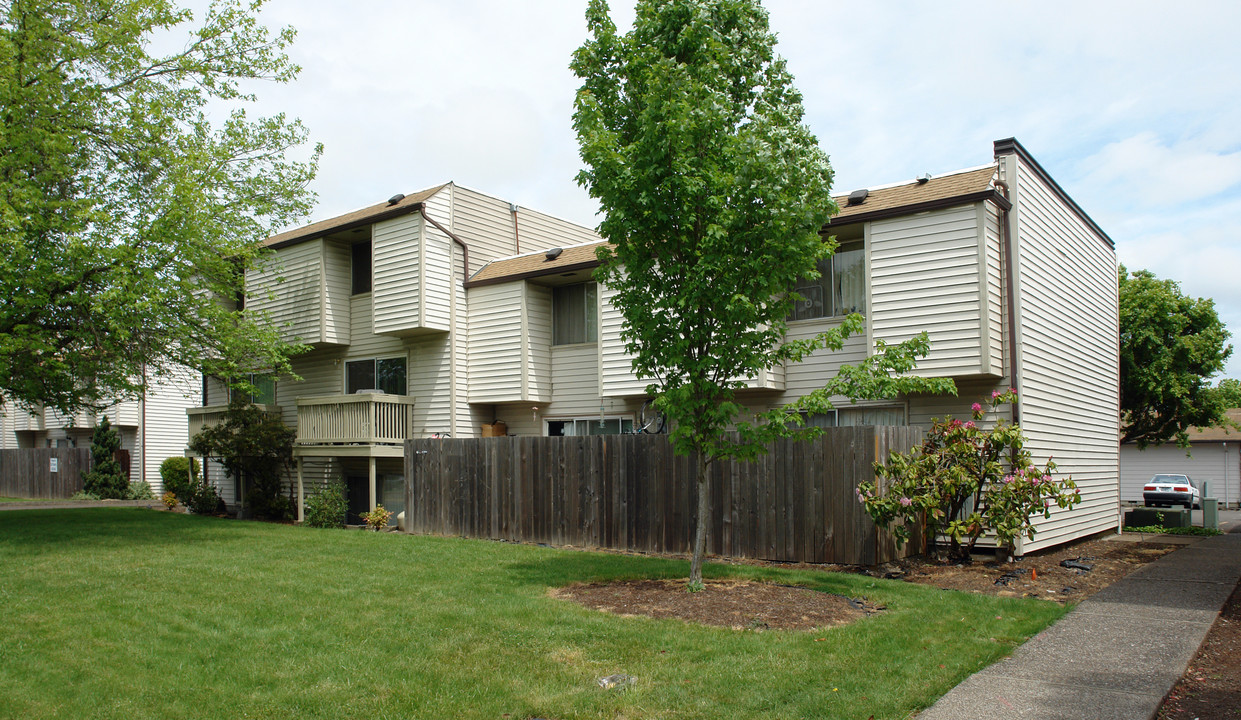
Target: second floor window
<point>361,267</point>
<point>264,389</point>
<point>574,312</point>
<point>840,288</point>
<point>384,374</point>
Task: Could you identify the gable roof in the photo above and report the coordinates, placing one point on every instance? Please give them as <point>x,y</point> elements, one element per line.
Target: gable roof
<point>537,264</point>
<point>365,216</point>
<point>1218,434</point>
<point>958,188</point>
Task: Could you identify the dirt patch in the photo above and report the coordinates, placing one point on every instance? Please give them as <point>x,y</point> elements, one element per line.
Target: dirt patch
<point>1042,574</point>
<point>1211,687</point>
<point>742,605</point>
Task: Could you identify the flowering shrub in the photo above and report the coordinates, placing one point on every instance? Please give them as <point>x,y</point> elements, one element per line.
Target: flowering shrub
<point>377,519</point>
<point>964,481</point>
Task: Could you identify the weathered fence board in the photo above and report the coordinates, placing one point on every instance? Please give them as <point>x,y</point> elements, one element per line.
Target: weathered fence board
<point>796,503</point>
<point>27,472</point>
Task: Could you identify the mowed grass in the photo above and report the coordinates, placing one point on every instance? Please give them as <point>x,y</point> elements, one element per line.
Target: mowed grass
<point>133,613</point>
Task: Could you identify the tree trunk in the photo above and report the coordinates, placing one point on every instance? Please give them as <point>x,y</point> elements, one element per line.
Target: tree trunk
<point>700,527</point>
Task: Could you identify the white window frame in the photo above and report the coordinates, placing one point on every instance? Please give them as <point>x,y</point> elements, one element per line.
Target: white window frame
<point>622,417</point>
<point>590,315</point>
<point>826,282</point>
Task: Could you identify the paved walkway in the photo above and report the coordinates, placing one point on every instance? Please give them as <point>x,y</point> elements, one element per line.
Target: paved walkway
<point>1117,654</point>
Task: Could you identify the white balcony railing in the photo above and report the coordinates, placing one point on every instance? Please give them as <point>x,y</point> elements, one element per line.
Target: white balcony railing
<point>367,418</point>
<point>204,417</point>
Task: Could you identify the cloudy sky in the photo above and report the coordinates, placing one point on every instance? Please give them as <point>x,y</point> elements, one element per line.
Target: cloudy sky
<point>1134,107</point>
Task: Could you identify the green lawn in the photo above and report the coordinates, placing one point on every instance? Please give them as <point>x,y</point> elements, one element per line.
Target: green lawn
<point>132,613</point>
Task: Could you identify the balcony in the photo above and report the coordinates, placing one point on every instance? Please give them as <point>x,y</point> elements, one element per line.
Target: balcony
<point>205,417</point>
<point>363,419</point>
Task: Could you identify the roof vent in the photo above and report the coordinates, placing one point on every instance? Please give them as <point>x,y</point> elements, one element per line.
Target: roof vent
<point>924,178</point>
<point>396,198</point>
<point>857,197</point>
<point>553,253</point>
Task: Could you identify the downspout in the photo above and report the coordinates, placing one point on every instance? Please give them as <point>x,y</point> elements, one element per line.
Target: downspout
<point>512,208</point>
<point>452,348</point>
<point>1010,292</point>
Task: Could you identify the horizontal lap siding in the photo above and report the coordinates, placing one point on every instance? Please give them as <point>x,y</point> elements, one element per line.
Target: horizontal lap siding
<point>819,367</point>
<point>575,381</point>
<point>993,343</point>
<point>496,343</point>
<point>925,274</point>
<point>338,286</point>
<point>1068,355</point>
<point>430,382</point>
<point>538,231</point>
<point>289,288</point>
<point>167,426</point>
<point>616,366</point>
<point>397,259</point>
<point>484,223</point>
<point>538,343</point>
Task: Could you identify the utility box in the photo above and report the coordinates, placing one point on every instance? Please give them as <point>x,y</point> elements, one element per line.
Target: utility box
<point>1171,517</point>
<point>1210,513</point>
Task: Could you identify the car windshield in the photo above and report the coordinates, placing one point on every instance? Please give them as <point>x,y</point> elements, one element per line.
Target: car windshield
<point>1170,479</point>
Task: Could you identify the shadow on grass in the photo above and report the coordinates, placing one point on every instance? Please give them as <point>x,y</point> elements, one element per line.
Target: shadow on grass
<point>55,529</point>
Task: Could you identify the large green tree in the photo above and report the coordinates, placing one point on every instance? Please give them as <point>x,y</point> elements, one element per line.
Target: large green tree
<point>134,191</point>
<point>1170,346</point>
<point>714,193</point>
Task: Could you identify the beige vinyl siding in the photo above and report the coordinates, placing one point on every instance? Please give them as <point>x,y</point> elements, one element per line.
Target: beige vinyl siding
<point>616,370</point>
<point>440,258</point>
<point>1216,463</point>
<point>538,333</point>
<point>289,289</point>
<point>496,343</point>
<point>431,385</point>
<point>397,289</point>
<point>463,420</point>
<point>484,223</point>
<point>925,274</point>
<point>537,231</point>
<point>165,432</point>
<point>14,417</point>
<point>337,288</point>
<point>816,369</point>
<point>993,303</point>
<point>575,381</point>
<point>1068,364</point>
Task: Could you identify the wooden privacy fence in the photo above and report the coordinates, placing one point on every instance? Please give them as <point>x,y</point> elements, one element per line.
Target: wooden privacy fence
<point>27,473</point>
<point>796,503</point>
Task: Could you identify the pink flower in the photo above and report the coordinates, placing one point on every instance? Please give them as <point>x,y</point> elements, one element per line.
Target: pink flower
<point>970,425</point>
<point>995,394</point>
<point>976,407</point>
<point>906,502</point>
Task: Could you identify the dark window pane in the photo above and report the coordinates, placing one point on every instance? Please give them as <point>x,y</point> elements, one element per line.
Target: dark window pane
<point>359,375</point>
<point>361,267</point>
<point>390,375</point>
<point>573,314</point>
<point>264,389</point>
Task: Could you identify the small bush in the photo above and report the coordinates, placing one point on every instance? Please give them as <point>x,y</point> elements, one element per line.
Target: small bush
<point>140,490</point>
<point>377,519</point>
<point>203,500</point>
<point>105,479</point>
<point>169,499</point>
<point>83,495</point>
<point>175,472</point>
<point>328,507</point>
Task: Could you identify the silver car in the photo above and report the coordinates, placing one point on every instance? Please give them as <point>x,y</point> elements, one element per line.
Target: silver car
<point>1169,490</point>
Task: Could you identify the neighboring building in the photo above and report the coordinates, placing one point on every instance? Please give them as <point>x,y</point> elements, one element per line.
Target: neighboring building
<point>1212,457</point>
<point>1015,284</point>
<point>152,428</point>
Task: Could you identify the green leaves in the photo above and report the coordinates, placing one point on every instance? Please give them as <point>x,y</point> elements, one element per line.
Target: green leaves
<point>127,215</point>
<point>1170,346</point>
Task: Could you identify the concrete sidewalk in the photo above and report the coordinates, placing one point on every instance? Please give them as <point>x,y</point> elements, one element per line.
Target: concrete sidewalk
<point>1117,654</point>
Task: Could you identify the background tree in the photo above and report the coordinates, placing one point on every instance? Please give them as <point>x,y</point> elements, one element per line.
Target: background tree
<point>1170,346</point>
<point>126,213</point>
<point>1229,391</point>
<point>713,193</point>
<point>255,446</point>
<point>105,480</point>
